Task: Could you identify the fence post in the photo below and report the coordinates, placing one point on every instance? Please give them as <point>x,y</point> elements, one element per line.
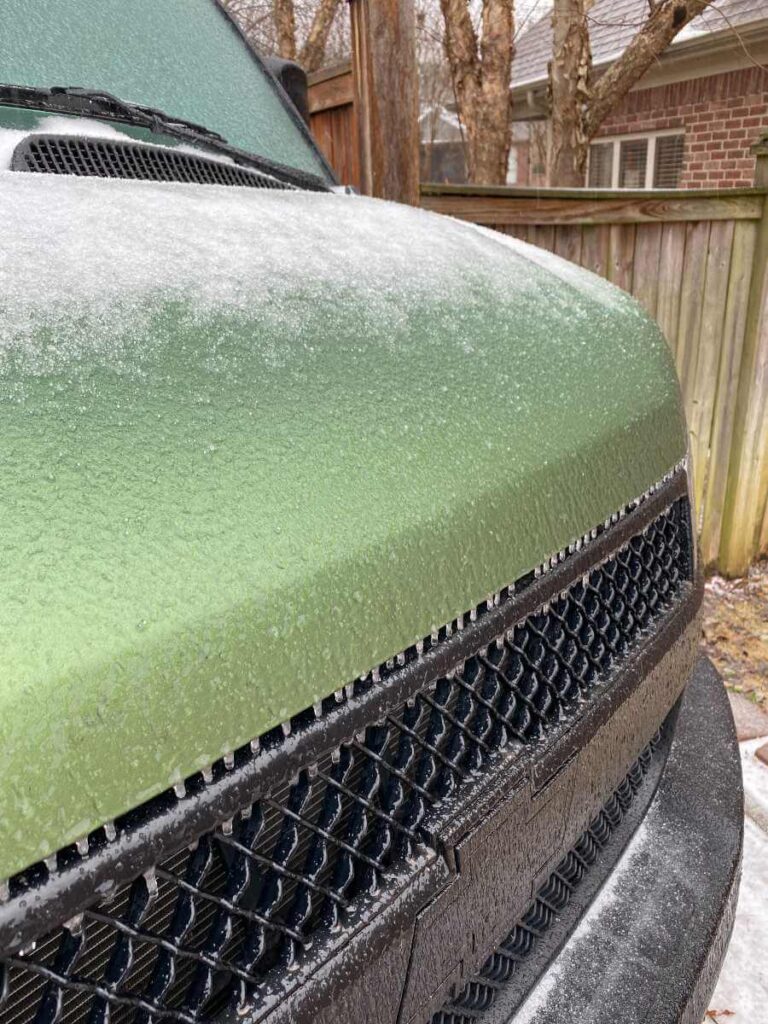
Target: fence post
<point>745,510</point>
<point>386,97</point>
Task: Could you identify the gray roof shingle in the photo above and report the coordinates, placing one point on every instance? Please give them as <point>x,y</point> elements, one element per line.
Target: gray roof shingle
<point>613,23</point>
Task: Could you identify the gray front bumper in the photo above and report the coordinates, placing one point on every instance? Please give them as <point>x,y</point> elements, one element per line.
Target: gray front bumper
<point>650,947</point>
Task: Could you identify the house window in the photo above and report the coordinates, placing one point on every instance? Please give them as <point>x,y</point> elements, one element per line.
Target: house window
<point>512,166</point>
<point>633,157</point>
<point>668,164</point>
<point>637,161</point>
<point>601,165</point>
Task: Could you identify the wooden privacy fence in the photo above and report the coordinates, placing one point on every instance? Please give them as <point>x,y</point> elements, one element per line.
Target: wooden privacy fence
<point>333,121</point>
<point>698,262</point>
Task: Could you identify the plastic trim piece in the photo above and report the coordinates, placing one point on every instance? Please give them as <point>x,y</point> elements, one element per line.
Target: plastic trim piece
<point>654,950</point>
<point>85,156</point>
<point>518,959</point>
<point>106,107</point>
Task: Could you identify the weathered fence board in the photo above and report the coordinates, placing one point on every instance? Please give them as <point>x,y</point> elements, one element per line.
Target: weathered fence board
<point>698,262</point>
<point>595,247</point>
<point>647,255</point>
<point>746,500</point>
<point>333,121</point>
<point>724,412</point>
<point>709,348</point>
<point>694,271</point>
<point>386,97</point>
<point>670,263</point>
<point>622,249</point>
<point>497,205</point>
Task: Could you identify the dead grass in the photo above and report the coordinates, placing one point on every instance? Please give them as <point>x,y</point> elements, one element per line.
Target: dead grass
<point>736,631</point>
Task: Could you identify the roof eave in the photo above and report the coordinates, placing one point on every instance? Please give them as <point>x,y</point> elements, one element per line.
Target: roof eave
<point>704,43</point>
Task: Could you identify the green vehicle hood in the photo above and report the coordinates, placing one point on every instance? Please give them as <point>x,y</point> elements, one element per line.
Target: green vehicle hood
<point>254,443</point>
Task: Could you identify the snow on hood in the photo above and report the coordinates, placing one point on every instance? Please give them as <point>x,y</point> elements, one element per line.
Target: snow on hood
<point>84,260</point>
<point>255,443</point>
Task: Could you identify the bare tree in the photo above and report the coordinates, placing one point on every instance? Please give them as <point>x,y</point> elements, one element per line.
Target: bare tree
<point>479,49</point>
<point>435,86</point>
<point>580,101</point>
<point>285,24</point>
<point>301,30</point>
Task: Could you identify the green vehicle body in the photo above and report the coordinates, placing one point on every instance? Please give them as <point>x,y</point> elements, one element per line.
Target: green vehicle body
<point>253,444</point>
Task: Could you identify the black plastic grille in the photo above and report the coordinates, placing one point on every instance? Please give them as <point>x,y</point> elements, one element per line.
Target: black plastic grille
<point>103,158</point>
<point>214,924</point>
<point>479,994</point>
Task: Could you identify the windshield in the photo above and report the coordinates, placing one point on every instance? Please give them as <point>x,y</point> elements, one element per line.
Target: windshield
<point>183,56</point>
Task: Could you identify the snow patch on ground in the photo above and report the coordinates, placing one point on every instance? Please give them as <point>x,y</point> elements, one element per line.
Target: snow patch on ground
<point>742,989</point>
<point>741,996</point>
<point>755,775</point>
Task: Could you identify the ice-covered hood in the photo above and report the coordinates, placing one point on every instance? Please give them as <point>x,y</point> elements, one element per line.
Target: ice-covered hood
<point>254,443</point>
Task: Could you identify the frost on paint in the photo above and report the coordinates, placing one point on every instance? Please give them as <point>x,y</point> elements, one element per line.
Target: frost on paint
<point>84,262</point>
<point>253,443</point>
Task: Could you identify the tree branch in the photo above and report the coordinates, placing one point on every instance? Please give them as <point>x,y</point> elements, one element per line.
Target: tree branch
<point>480,70</point>
<point>313,51</point>
<point>285,23</point>
<point>570,73</point>
<point>663,24</point>
<point>497,45</point>
<point>461,46</point>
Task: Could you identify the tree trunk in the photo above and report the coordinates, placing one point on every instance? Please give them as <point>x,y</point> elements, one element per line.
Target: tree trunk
<point>579,105</point>
<point>491,157</point>
<point>481,73</point>
<point>569,73</point>
<point>285,24</point>
<point>488,143</point>
<point>313,51</point>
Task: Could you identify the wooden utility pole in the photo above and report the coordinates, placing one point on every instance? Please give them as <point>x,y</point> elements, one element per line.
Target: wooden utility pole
<point>386,97</point>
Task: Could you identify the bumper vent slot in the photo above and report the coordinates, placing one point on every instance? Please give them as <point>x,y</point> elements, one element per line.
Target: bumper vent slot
<point>223,924</point>
<point>104,158</point>
<point>480,993</point>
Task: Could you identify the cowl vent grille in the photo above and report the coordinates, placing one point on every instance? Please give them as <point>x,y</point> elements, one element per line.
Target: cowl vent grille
<point>105,158</point>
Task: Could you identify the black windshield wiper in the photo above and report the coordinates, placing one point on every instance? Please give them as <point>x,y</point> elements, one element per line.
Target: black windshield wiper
<point>104,104</point>
<point>135,113</point>
<point>101,104</point>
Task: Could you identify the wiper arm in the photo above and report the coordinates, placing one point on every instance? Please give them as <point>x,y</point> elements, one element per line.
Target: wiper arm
<point>135,113</point>
<point>96,103</point>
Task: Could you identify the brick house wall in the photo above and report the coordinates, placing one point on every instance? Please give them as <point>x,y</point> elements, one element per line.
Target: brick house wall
<point>722,115</point>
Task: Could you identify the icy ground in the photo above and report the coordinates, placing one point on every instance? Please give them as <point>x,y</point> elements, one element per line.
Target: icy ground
<point>741,996</point>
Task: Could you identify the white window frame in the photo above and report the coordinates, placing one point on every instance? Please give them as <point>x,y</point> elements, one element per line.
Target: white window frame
<point>650,160</point>
<point>513,158</point>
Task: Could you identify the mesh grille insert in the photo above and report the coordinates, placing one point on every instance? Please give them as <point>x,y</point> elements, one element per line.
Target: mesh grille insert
<point>214,924</point>
<point>104,158</point>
